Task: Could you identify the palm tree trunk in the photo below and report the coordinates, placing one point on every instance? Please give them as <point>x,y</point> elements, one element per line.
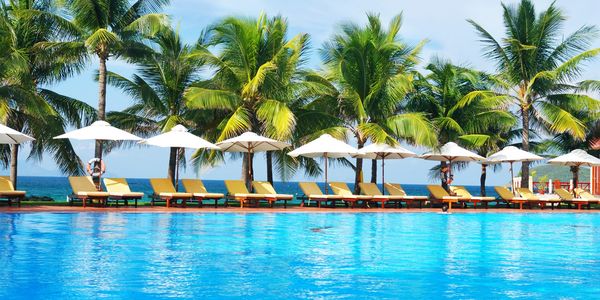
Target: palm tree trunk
<point>172,164</point>
<point>14,155</point>
<point>359,168</point>
<point>247,169</point>
<point>525,135</point>
<point>373,170</point>
<point>270,167</point>
<point>482,179</point>
<point>101,98</point>
<point>575,171</point>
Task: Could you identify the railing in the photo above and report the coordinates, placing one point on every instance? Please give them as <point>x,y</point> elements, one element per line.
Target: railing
<point>567,185</point>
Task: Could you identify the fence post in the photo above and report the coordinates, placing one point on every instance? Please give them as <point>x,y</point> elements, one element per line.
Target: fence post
<point>550,186</point>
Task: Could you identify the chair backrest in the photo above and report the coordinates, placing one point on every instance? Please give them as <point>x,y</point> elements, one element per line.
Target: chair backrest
<point>162,185</point>
<point>236,187</point>
<point>526,193</point>
<point>369,188</point>
<point>583,194</point>
<point>310,188</point>
<point>5,184</point>
<point>461,191</point>
<point>437,191</point>
<point>340,188</point>
<point>563,194</point>
<point>394,189</point>
<point>504,193</point>
<point>263,187</point>
<point>193,186</point>
<point>116,185</point>
<point>82,184</point>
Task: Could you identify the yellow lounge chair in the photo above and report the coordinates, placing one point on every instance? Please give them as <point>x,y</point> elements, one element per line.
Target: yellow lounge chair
<point>461,191</point>
<point>84,189</point>
<point>569,199</point>
<point>7,191</point>
<point>508,196</point>
<point>199,192</point>
<point>533,199</point>
<point>312,192</point>
<point>438,193</point>
<point>237,191</point>
<point>265,188</point>
<point>165,191</point>
<point>396,190</point>
<point>342,189</point>
<point>583,194</point>
<point>118,189</point>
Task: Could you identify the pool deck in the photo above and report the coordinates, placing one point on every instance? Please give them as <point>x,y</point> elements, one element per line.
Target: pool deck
<point>294,209</point>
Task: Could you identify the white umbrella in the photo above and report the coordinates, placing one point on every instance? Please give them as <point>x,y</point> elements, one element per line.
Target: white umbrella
<point>324,146</point>
<point>576,159</point>
<point>511,155</point>
<point>250,142</point>
<point>12,137</point>
<point>383,152</point>
<point>179,137</point>
<point>99,130</point>
<point>451,152</point>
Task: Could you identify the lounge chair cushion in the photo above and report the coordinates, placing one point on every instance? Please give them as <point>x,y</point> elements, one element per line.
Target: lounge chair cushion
<point>527,194</point>
<point>175,195</point>
<point>118,187</point>
<point>248,195</point>
<point>583,194</point>
<point>127,195</point>
<point>394,189</point>
<point>461,191</point>
<point>208,195</point>
<point>7,189</point>
<point>84,186</point>
<point>439,193</point>
<point>265,187</point>
<point>92,194</point>
<point>342,189</point>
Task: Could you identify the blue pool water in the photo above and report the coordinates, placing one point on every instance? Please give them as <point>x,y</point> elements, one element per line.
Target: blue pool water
<point>299,255</point>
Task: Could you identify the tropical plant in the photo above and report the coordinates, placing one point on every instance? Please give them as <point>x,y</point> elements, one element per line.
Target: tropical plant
<point>257,75</point>
<point>164,73</point>
<point>111,28</point>
<point>25,27</point>
<point>373,70</point>
<point>537,68</point>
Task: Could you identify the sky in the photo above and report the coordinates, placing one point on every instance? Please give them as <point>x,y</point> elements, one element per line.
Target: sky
<point>443,23</point>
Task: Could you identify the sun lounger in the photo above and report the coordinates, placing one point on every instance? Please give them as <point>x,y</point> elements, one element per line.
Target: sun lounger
<point>237,191</point>
<point>461,191</point>
<point>199,192</point>
<point>118,189</point>
<point>165,191</point>
<point>508,196</point>
<point>569,199</point>
<point>533,199</point>
<point>312,192</point>
<point>7,191</point>
<point>84,189</point>
<point>438,193</point>
<point>396,190</point>
<point>265,188</point>
<point>342,189</point>
<point>583,194</point>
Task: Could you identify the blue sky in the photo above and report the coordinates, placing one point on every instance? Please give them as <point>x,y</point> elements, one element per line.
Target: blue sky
<point>443,23</point>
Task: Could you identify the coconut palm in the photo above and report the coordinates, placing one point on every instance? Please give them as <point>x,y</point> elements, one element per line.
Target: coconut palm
<point>257,74</point>
<point>111,28</point>
<point>537,68</point>
<point>164,73</point>
<point>25,27</point>
<point>373,71</point>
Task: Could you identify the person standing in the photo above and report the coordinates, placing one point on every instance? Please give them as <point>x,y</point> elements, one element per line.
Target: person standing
<point>95,168</point>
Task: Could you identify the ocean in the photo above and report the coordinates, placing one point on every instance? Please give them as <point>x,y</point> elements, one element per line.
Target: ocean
<point>58,188</point>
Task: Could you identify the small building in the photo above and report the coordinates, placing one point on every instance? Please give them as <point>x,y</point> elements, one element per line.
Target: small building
<point>595,176</point>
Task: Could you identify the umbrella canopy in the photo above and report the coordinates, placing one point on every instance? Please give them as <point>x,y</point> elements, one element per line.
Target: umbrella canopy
<point>383,152</point>
<point>575,159</point>
<point>179,137</point>
<point>12,137</point>
<point>452,152</point>
<point>250,142</point>
<point>324,146</point>
<point>99,130</point>
<point>510,155</point>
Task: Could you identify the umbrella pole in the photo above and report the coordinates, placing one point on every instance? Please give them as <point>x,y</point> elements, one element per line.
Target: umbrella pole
<point>383,174</point>
<point>326,174</point>
<point>249,179</point>
<point>177,170</point>
<point>512,180</point>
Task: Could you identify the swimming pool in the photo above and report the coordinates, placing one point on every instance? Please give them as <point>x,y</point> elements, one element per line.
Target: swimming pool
<point>299,255</point>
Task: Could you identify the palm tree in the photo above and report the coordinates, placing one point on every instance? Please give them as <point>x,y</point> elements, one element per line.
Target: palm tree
<point>112,28</point>
<point>537,68</point>
<point>26,28</point>
<point>373,71</point>
<point>164,73</point>
<point>257,75</point>
<point>479,124</point>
